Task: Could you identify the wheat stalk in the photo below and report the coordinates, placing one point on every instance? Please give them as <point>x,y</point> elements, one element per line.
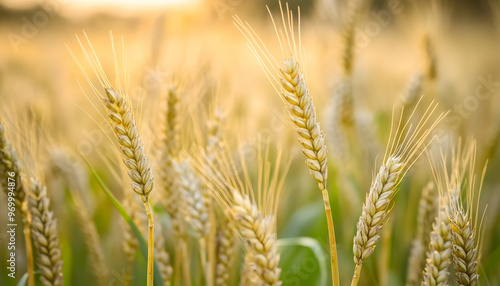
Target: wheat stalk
<point>402,151</point>
<point>44,230</point>
<point>9,163</point>
<point>289,82</point>
<point>130,143</point>
<point>426,214</point>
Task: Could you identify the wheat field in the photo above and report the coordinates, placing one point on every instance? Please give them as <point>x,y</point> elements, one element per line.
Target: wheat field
<point>233,142</point>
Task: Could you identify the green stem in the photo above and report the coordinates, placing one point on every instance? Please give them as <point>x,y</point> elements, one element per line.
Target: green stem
<point>331,236</point>
<point>150,243</point>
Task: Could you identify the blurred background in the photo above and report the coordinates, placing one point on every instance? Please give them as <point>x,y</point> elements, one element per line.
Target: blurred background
<point>194,44</point>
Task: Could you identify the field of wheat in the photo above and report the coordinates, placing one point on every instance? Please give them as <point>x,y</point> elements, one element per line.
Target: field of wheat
<point>238,142</point>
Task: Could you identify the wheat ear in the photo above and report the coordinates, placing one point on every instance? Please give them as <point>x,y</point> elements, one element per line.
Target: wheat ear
<point>44,229</point>
<point>196,204</point>
<point>402,151</point>
<point>349,34</point>
<point>289,82</point>
<point>259,234</point>
<point>426,213</point>
<point>226,251</point>
<point>169,151</point>
<point>135,159</point>
<point>343,100</point>
<point>462,213</point>
<point>464,248</point>
<point>169,177</point>
<point>439,255</point>
<point>412,91</point>
<point>130,143</point>
<point>215,132</point>
<point>253,212</point>
<point>9,163</point>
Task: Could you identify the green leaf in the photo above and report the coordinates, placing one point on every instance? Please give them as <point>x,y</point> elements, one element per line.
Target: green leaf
<point>23,280</point>
<point>315,247</point>
<point>143,247</point>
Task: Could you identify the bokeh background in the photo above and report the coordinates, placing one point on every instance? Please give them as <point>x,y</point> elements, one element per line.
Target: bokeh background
<point>194,43</point>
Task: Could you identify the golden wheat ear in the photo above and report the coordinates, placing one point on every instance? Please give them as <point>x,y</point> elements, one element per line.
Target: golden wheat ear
<point>463,211</point>
<point>405,146</point>
<point>289,81</point>
<point>45,238</point>
<point>123,124</point>
<point>439,251</point>
<point>13,175</point>
<point>251,205</point>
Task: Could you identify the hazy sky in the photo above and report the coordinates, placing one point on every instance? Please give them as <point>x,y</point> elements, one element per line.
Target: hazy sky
<point>102,3</point>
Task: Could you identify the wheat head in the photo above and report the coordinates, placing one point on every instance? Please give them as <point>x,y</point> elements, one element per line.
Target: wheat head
<point>226,241</point>
<point>9,162</point>
<point>249,205</point>
<point>462,212</point>
<point>439,255</point>
<point>45,237</point>
<point>403,150</point>
<point>413,90</point>
<point>259,235</point>
<point>196,202</point>
<point>349,34</point>
<point>168,152</point>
